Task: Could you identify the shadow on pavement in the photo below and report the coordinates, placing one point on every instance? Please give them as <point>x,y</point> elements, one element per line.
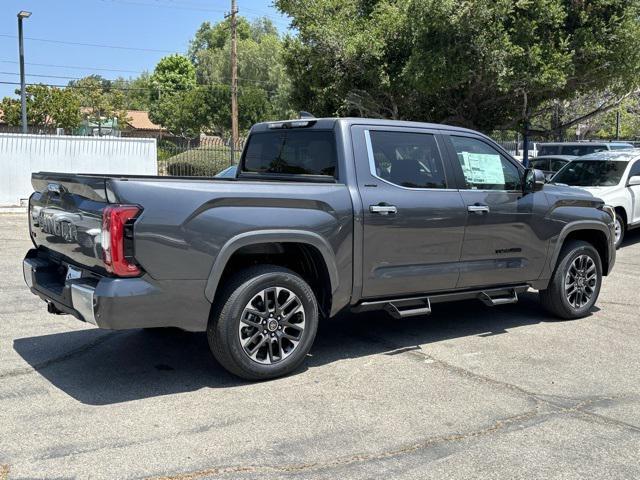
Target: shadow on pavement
<point>102,367</point>
<point>631,238</point>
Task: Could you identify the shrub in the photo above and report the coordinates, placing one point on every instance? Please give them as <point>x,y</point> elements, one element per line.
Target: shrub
<point>191,169</point>
<point>198,162</point>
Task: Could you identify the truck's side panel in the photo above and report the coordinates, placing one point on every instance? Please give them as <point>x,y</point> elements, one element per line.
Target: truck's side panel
<point>185,224</point>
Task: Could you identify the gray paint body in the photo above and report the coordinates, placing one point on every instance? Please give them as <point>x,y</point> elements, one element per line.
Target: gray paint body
<point>189,228</point>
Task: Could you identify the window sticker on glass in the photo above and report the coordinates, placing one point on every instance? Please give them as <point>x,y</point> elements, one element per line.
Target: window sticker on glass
<point>482,168</point>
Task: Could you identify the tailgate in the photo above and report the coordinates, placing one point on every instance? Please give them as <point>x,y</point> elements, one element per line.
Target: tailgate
<point>65,216</point>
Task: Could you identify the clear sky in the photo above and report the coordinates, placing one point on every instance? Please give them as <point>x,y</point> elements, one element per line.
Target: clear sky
<point>146,29</point>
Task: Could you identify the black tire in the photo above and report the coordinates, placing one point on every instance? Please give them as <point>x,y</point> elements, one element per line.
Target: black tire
<point>620,221</point>
<point>224,323</point>
<point>554,298</point>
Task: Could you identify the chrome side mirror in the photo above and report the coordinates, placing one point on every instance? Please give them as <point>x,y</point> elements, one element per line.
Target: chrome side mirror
<point>534,180</point>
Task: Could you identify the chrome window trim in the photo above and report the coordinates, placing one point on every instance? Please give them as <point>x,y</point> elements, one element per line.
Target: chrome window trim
<point>372,164</point>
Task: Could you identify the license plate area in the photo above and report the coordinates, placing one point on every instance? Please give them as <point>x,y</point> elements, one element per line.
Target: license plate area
<point>73,273</point>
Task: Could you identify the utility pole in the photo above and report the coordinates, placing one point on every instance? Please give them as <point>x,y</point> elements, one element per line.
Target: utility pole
<point>23,93</point>
<point>618,124</point>
<point>234,79</point>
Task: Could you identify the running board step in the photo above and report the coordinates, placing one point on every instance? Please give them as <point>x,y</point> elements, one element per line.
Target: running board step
<point>413,306</point>
<point>492,301</point>
<point>396,311</point>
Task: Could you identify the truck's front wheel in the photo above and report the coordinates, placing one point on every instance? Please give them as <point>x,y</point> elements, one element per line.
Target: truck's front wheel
<point>575,285</point>
<point>263,323</point>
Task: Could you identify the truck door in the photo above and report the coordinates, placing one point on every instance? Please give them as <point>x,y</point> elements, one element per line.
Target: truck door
<point>413,218</point>
<point>505,241</point>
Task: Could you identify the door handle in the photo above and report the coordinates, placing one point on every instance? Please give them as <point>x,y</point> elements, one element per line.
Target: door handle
<point>383,209</point>
<point>478,209</point>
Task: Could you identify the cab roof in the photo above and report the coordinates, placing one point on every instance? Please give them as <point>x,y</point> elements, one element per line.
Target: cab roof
<point>330,122</point>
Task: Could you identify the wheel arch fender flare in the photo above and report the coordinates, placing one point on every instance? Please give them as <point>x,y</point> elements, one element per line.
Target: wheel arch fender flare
<point>580,225</point>
<point>270,236</point>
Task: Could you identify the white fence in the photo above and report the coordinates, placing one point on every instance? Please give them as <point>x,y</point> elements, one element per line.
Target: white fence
<point>20,155</point>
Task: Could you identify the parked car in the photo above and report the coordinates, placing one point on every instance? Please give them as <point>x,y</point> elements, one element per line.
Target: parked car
<point>229,172</point>
<point>613,176</point>
<point>578,149</point>
<point>325,215</point>
<point>550,164</point>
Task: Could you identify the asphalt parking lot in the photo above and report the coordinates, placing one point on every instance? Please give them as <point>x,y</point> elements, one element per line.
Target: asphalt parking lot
<point>470,392</point>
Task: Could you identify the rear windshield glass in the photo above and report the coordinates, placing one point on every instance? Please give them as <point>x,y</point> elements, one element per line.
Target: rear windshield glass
<point>548,150</point>
<point>299,152</point>
<point>580,150</point>
<point>591,173</point>
<point>570,149</point>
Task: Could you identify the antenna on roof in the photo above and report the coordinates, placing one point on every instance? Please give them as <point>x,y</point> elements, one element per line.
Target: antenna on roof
<point>304,114</point>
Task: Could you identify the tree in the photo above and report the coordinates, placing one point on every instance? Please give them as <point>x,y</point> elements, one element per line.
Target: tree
<point>47,107</point>
<point>138,91</point>
<point>262,76</point>
<point>99,100</point>
<point>172,74</point>
<point>173,95</point>
<point>192,94</point>
<point>483,64</point>
<point>183,113</point>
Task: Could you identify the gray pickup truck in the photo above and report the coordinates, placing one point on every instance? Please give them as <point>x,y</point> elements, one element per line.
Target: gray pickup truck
<point>324,215</point>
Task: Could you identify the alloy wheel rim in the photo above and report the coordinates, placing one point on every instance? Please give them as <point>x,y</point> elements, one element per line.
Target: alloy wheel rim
<point>618,227</point>
<point>272,325</point>
<point>581,281</point>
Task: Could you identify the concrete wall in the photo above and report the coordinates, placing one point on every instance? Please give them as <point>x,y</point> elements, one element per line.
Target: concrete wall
<point>20,155</point>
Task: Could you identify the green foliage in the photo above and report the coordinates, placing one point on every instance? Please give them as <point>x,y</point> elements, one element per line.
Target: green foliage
<point>99,100</point>
<point>604,126</point>
<point>182,112</point>
<point>477,63</point>
<point>199,162</point>
<point>46,107</point>
<point>263,91</point>
<point>138,91</point>
<point>194,92</point>
<point>173,74</point>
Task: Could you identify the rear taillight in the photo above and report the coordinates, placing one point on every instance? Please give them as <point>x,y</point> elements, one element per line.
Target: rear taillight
<point>117,240</point>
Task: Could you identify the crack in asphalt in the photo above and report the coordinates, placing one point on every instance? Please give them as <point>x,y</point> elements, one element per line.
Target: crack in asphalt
<point>61,358</point>
<point>544,407</point>
<point>504,424</point>
<point>352,459</point>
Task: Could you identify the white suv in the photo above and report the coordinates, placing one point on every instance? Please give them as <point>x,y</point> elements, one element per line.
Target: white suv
<point>613,176</point>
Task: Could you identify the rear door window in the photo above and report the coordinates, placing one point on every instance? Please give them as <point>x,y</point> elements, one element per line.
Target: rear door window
<point>291,152</point>
<point>410,160</point>
<point>540,164</point>
<point>557,165</point>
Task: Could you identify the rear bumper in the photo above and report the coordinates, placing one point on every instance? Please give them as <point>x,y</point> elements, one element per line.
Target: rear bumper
<point>116,303</point>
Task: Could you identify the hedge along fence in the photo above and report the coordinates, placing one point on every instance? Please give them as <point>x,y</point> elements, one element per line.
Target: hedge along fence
<point>201,161</point>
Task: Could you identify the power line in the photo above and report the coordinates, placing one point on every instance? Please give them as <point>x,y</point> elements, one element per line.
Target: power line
<point>197,7</point>
<point>112,87</point>
<point>175,7</point>
<point>64,77</point>
<point>97,45</point>
<point>74,67</point>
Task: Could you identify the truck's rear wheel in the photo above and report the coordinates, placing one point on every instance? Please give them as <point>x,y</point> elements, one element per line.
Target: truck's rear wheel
<point>263,323</point>
<point>575,285</point>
